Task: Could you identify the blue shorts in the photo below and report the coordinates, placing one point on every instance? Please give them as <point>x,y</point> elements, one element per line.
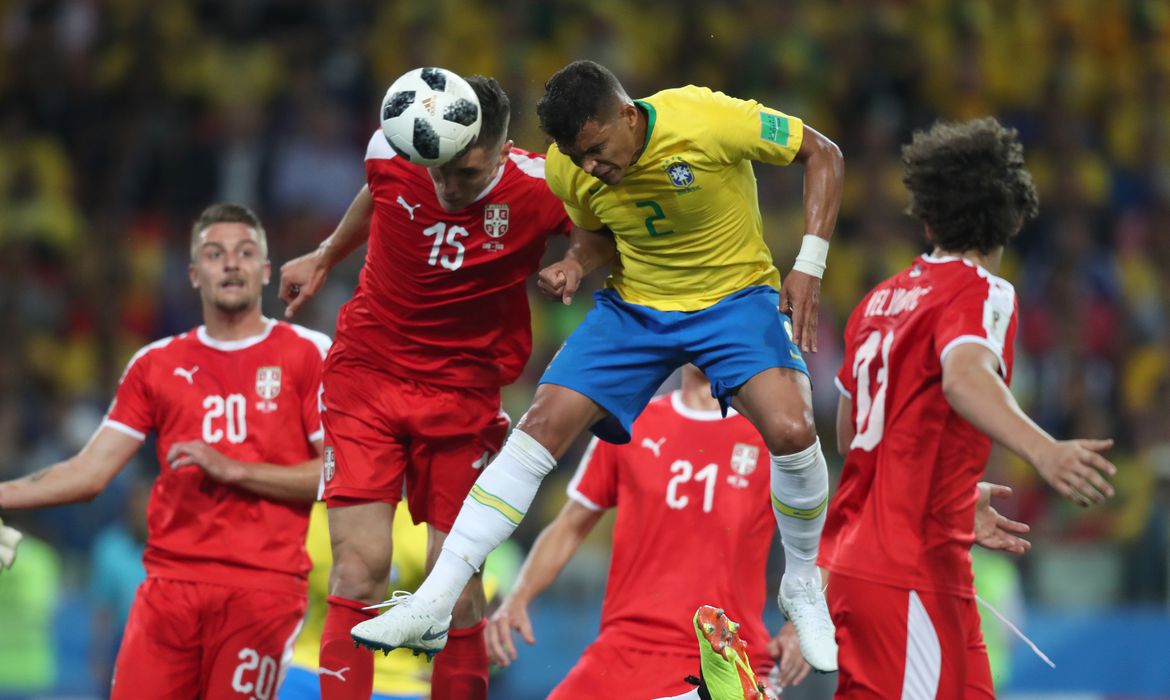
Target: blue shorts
<point>621,353</point>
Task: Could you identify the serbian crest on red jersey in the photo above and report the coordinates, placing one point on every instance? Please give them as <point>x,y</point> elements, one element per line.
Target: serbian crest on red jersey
<point>743,462</point>
<point>267,387</point>
<point>495,220</point>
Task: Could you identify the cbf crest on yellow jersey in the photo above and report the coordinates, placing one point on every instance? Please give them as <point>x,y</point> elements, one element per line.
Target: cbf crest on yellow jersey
<point>686,215</point>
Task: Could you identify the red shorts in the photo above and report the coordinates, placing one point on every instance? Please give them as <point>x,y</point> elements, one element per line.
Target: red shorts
<point>896,642</point>
<point>382,433</point>
<point>200,640</point>
<point>610,671</point>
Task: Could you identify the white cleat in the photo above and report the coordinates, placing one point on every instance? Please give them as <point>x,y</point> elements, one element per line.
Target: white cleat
<point>407,624</point>
<point>803,602</point>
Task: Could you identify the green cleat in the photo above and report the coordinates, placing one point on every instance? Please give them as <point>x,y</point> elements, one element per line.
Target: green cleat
<point>726,672</point>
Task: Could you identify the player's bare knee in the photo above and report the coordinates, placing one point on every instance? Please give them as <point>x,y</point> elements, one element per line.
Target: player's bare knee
<point>357,577</point>
<point>786,434</point>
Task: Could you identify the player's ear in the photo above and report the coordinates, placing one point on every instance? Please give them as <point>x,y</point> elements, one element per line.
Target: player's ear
<point>267,275</point>
<point>628,113</point>
<point>194,275</point>
<point>506,149</point>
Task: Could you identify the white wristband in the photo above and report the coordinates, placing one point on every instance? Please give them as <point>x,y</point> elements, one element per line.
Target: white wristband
<point>814,250</point>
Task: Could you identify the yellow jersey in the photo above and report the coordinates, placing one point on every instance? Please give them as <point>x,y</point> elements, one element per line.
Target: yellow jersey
<point>686,216</point>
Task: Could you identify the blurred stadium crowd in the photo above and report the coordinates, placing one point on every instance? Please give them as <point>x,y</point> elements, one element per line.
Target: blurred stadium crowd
<point>121,119</point>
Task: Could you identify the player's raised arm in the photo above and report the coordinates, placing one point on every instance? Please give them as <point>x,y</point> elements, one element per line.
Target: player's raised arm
<point>301,278</point>
<point>79,478</point>
<point>824,177</point>
<point>588,251</point>
<point>974,388</point>
<point>553,549</point>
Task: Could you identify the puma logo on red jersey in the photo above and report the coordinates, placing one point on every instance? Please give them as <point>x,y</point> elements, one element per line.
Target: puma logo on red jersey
<point>188,374</point>
<point>655,447</point>
<point>409,209</point>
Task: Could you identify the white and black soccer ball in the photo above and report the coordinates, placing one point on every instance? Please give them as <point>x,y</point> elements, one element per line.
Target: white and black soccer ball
<point>430,115</point>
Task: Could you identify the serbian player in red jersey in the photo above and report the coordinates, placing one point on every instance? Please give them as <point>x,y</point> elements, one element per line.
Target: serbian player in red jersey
<point>688,488</point>
<point>438,324</point>
<point>234,404</point>
<point>924,388</point>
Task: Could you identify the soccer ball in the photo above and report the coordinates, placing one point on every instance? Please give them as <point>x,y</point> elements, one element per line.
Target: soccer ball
<point>430,116</point>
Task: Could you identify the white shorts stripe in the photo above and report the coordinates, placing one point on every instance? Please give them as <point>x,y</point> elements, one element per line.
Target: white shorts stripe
<point>923,653</point>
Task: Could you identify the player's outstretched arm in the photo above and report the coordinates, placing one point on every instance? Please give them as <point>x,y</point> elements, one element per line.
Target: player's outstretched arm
<point>553,549</point>
<point>994,531</point>
<point>301,278</point>
<point>295,483</point>
<point>588,251</point>
<point>79,478</point>
<point>974,388</point>
<point>824,178</point>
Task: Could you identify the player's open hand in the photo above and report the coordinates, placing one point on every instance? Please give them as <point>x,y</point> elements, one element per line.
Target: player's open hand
<point>1076,470</point>
<point>994,531</point>
<point>800,298</point>
<point>785,647</point>
<point>512,615</point>
<point>10,537</point>
<point>300,279</point>
<point>214,463</point>
<point>561,280</point>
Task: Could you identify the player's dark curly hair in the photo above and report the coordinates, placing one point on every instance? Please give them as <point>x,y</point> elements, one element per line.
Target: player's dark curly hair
<point>495,111</point>
<point>968,182</point>
<point>580,91</point>
<point>227,213</point>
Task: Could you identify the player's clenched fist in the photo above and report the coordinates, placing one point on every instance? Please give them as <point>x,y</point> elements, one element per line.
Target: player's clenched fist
<point>561,280</point>
<point>300,279</point>
<point>9,538</point>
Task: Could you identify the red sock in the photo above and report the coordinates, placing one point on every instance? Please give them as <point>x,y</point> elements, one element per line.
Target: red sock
<point>461,669</point>
<point>347,672</point>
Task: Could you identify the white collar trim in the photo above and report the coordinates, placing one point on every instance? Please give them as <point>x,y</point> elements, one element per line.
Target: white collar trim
<point>685,411</point>
<point>927,257</point>
<point>230,345</point>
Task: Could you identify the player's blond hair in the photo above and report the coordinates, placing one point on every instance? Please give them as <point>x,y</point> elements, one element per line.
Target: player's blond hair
<point>227,213</point>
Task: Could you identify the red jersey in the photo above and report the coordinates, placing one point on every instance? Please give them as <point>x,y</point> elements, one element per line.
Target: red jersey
<point>904,514</point>
<point>694,525</point>
<point>442,296</point>
<point>254,400</point>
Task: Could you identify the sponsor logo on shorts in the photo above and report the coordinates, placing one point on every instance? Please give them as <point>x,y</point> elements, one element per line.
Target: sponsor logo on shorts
<point>329,464</point>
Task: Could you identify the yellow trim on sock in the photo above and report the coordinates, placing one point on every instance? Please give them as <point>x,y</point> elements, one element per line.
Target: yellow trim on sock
<point>801,513</point>
<point>496,503</point>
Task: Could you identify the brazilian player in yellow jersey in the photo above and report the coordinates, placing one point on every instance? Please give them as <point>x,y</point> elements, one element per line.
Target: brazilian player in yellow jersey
<point>667,182</point>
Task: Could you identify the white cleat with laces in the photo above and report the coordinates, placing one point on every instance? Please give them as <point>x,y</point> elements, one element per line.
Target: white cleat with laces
<point>407,624</point>
<point>803,602</point>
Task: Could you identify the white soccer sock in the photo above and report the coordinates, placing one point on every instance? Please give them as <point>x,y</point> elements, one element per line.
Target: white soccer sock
<point>800,493</point>
<point>692,694</point>
<point>490,513</point>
